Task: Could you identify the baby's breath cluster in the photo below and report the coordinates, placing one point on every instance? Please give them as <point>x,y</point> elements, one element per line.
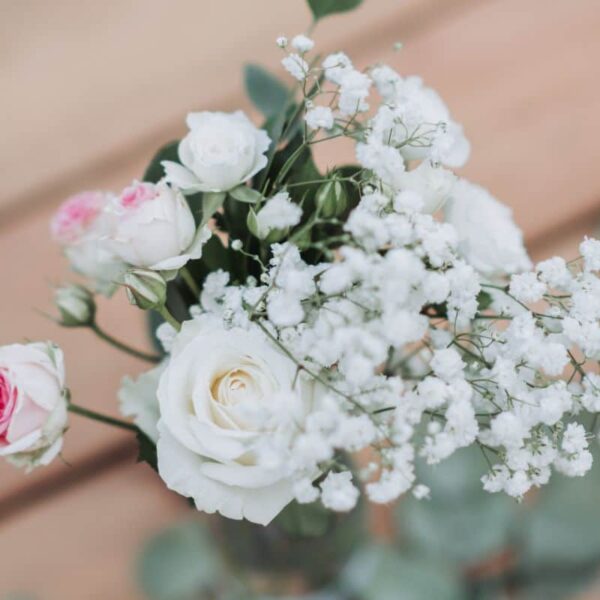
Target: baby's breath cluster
<point>325,330</point>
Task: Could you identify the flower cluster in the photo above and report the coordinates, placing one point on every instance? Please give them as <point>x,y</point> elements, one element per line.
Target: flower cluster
<point>387,308</point>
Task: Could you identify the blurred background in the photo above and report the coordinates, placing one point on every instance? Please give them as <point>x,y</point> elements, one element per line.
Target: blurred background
<point>91,89</point>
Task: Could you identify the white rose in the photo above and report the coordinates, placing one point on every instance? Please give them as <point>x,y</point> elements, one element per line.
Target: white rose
<point>80,225</point>
<point>153,228</point>
<point>433,184</point>
<point>224,396</point>
<point>488,237</point>
<point>221,151</point>
<point>33,404</point>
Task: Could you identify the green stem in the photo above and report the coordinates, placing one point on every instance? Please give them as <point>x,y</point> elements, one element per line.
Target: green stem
<point>163,311</point>
<point>190,282</point>
<point>94,416</point>
<point>153,358</point>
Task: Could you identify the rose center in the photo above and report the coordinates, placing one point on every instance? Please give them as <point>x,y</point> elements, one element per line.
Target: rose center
<point>136,194</point>
<point>8,401</point>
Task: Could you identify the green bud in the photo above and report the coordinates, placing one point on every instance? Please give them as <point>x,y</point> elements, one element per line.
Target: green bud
<point>76,305</point>
<point>146,289</point>
<point>331,199</point>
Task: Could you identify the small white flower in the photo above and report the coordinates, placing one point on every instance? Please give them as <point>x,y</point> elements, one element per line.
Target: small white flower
<point>338,492</point>
<point>281,41</point>
<point>296,66</point>
<point>336,66</point>
<point>590,250</point>
<point>319,117</point>
<point>302,43</point>
<point>526,287</point>
<point>279,212</point>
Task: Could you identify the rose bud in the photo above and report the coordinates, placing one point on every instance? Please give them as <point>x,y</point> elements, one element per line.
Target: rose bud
<point>33,403</point>
<point>80,226</point>
<point>145,289</point>
<point>153,228</point>
<point>331,199</point>
<point>76,306</point>
<point>221,151</point>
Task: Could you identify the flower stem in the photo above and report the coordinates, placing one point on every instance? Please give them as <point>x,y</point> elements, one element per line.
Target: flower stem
<point>94,416</point>
<point>153,358</point>
<point>163,311</point>
<point>190,282</point>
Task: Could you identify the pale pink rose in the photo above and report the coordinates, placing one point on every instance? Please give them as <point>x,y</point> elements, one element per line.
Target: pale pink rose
<point>81,226</point>
<point>77,215</point>
<point>152,227</point>
<point>33,404</point>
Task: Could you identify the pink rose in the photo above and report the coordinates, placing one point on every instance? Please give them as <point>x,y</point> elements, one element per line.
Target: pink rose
<point>33,404</point>
<point>81,226</point>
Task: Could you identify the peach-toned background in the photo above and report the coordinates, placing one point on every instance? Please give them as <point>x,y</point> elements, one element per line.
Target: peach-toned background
<point>90,89</point>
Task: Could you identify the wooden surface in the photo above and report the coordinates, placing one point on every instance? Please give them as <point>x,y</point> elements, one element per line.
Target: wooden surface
<point>90,89</point>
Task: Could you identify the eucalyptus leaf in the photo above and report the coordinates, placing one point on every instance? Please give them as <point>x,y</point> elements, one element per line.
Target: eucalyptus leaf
<point>266,92</point>
<point>179,564</point>
<point>243,193</point>
<point>322,8</point>
<point>304,520</point>
<point>381,573</point>
<point>155,171</point>
<point>461,522</point>
<point>563,527</point>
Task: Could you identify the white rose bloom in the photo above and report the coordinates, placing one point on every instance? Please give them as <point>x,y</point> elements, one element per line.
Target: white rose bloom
<point>153,228</point>
<point>488,237</point>
<point>80,226</point>
<point>433,184</point>
<point>224,396</point>
<point>221,151</point>
<point>33,404</point>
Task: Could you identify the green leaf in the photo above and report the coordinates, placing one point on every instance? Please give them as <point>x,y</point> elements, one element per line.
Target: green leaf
<point>304,520</point>
<point>243,193</point>
<point>179,564</point>
<point>563,528</point>
<point>155,171</point>
<point>461,522</point>
<point>146,450</point>
<point>484,300</point>
<point>381,573</point>
<point>211,203</point>
<point>267,93</point>
<point>322,8</point>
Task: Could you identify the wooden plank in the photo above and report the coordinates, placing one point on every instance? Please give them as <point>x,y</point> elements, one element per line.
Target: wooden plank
<point>84,544</point>
<point>86,80</point>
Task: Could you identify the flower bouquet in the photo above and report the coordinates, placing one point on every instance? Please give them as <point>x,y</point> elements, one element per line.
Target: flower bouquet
<point>321,330</point>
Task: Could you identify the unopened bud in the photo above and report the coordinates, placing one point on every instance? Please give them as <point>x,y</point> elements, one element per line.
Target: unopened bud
<point>146,289</point>
<point>76,305</point>
<point>332,199</point>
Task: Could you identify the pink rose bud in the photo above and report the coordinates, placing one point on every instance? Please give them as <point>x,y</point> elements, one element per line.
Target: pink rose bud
<point>33,403</point>
<point>81,226</point>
